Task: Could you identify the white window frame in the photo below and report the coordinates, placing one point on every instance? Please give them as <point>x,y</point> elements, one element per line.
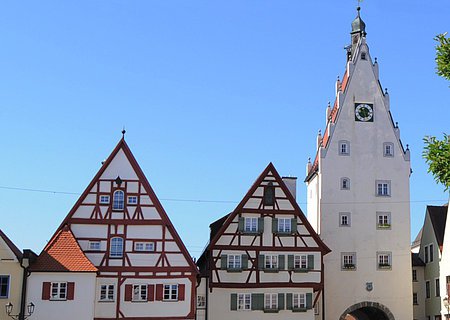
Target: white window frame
<point>58,291</point>
<point>271,261</point>
<point>144,246</point>
<point>348,260</point>
<point>271,301</point>
<point>234,261</point>
<point>383,188</point>
<point>384,220</point>
<point>7,284</point>
<point>244,301</point>
<point>284,225</point>
<point>344,148</point>
<point>106,293</point>
<point>170,292</point>
<point>95,245</point>
<point>344,217</point>
<point>250,224</point>
<point>300,261</point>
<point>104,199</point>
<point>132,200</point>
<point>118,201</point>
<point>114,251</point>
<point>384,260</point>
<point>388,149</point>
<point>298,301</point>
<point>201,301</point>
<point>139,292</point>
<point>345,183</point>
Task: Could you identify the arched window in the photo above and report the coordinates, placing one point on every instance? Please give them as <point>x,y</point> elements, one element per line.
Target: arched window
<point>118,200</point>
<point>116,249</point>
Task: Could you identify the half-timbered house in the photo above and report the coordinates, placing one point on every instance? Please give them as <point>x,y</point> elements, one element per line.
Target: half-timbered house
<point>119,230</point>
<point>263,258</point>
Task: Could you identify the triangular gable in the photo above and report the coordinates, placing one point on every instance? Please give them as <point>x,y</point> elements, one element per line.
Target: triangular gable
<point>253,201</point>
<point>63,254</point>
<point>9,247</point>
<point>121,159</point>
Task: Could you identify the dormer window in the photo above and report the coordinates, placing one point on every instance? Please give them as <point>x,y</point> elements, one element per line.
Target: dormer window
<point>269,195</point>
<point>118,200</point>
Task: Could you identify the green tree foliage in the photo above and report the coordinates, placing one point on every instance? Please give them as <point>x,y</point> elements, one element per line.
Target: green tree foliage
<point>437,155</point>
<point>443,56</point>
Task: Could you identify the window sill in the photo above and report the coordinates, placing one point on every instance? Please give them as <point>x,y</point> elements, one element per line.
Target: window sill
<point>284,234</point>
<point>301,270</point>
<point>271,310</point>
<point>171,300</point>
<point>105,301</point>
<point>299,310</point>
<point>271,270</point>
<point>55,299</point>
<point>384,226</point>
<point>251,233</point>
<point>234,270</point>
<point>384,267</point>
<point>139,301</point>
<point>349,268</point>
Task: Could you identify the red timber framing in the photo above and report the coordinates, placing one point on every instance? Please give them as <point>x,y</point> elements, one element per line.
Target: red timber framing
<point>228,236</point>
<point>95,214</point>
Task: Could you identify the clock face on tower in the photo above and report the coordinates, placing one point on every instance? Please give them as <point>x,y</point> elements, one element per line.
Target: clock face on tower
<point>363,112</point>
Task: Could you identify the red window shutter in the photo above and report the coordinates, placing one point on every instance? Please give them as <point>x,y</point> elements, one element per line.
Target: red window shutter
<point>159,292</point>
<point>70,290</point>
<point>46,290</point>
<point>151,292</point>
<point>128,292</point>
<point>181,290</point>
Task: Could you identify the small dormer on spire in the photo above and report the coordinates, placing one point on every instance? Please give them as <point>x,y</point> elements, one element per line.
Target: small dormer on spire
<point>358,31</point>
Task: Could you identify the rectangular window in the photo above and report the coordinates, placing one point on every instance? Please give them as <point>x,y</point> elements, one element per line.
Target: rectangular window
<point>139,292</point>
<point>104,199</point>
<point>447,282</point>
<point>201,302</point>
<point>251,224</point>
<point>271,261</point>
<point>426,254</point>
<point>271,301</point>
<point>106,292</point>
<point>383,220</point>
<point>415,300</point>
<point>244,301</point>
<point>58,291</point>
<point>431,252</point>
<point>427,289</point>
<point>4,286</point>
<point>299,301</point>
<point>132,200</point>
<point>170,292</point>
<point>384,260</point>
<point>144,246</point>
<point>383,188</point>
<point>284,225</point>
<point>414,275</point>
<point>300,261</point>
<point>348,261</point>
<point>94,245</point>
<point>388,149</point>
<point>344,148</point>
<point>437,289</point>
<point>269,195</point>
<point>234,261</point>
<point>344,219</point>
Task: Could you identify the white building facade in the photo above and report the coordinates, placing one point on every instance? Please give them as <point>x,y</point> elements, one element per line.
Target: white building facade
<point>358,196</point>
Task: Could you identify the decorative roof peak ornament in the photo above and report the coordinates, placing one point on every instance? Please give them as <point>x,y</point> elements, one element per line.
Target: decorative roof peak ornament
<point>123,132</point>
<point>358,25</point>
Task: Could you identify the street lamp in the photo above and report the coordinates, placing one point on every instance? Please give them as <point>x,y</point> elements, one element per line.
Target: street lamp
<point>446,305</point>
<point>9,308</point>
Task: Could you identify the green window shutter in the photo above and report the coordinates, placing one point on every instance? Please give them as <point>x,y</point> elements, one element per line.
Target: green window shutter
<point>274,225</point>
<point>310,261</point>
<point>294,225</point>
<point>257,301</point>
<point>223,262</point>
<point>281,262</point>
<point>290,262</point>
<point>244,262</point>
<point>241,222</point>
<point>261,262</point>
<point>234,301</point>
<point>308,300</point>
<point>260,225</point>
<point>289,301</point>
<point>281,301</point>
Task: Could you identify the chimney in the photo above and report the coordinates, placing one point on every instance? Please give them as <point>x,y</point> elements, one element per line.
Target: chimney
<point>291,183</point>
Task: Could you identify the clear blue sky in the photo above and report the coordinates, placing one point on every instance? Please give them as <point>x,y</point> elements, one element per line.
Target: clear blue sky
<point>209,92</point>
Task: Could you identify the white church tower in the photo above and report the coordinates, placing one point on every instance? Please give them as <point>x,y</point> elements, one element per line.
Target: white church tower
<point>358,197</point>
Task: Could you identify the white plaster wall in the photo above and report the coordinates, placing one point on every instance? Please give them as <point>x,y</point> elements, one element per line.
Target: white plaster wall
<point>81,308</point>
<point>119,166</point>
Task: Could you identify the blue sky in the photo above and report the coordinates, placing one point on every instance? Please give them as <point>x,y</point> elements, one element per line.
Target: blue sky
<point>209,92</point>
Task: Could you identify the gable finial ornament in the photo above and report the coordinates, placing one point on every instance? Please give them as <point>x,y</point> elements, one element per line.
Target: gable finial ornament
<point>123,132</point>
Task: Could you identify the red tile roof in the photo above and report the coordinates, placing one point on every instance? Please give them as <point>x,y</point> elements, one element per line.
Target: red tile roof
<point>63,253</point>
<point>11,245</point>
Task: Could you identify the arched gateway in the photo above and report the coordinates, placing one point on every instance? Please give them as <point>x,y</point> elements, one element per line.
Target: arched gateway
<point>367,310</point>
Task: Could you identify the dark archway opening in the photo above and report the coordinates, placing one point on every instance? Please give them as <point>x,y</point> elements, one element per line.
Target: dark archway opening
<point>367,310</point>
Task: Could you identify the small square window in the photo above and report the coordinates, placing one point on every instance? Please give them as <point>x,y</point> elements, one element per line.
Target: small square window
<point>106,292</point>
<point>244,301</point>
<point>132,199</point>
<point>170,292</point>
<point>383,220</point>
<point>344,148</point>
<point>144,246</point>
<point>201,302</point>
<point>363,56</point>
<point>139,292</point>
<point>384,260</point>
<point>271,261</point>
<point>388,149</point>
<point>344,219</point>
<point>348,261</point>
<point>104,199</point>
<point>301,261</point>
<point>383,188</point>
<point>58,291</point>
<point>250,224</point>
<point>234,261</point>
<point>284,225</point>
<point>298,301</point>
<point>94,245</point>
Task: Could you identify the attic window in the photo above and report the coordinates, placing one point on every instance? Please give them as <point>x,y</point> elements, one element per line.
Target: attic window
<point>363,56</point>
<point>118,200</point>
<point>269,195</point>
